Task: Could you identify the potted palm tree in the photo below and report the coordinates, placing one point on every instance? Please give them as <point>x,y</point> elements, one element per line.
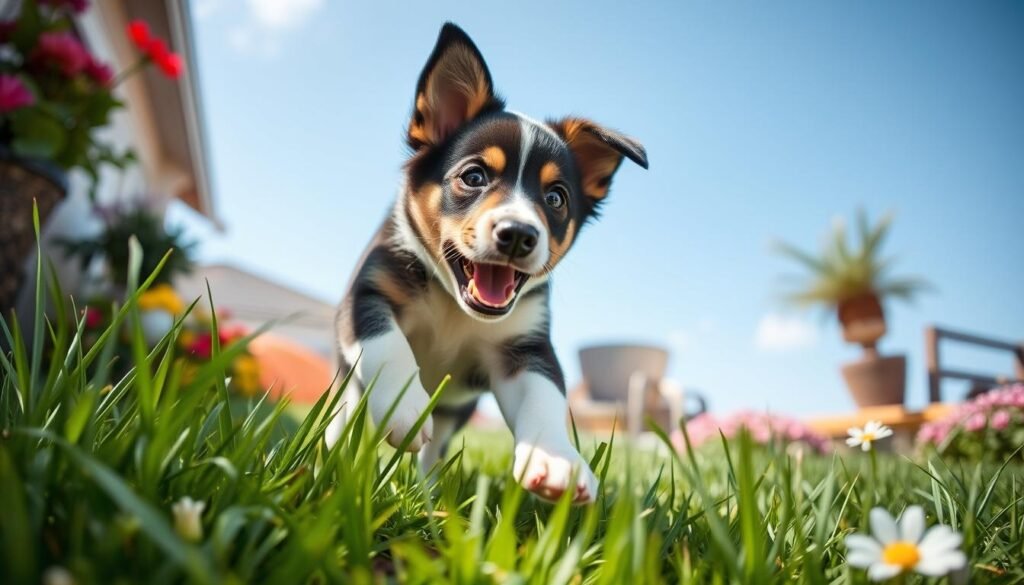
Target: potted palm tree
<point>853,282</point>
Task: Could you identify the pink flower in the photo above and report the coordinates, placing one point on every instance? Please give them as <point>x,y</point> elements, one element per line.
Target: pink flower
<point>1000,420</point>
<point>76,6</point>
<point>764,428</point>
<point>975,422</point>
<point>62,51</point>
<point>99,72</point>
<point>13,94</point>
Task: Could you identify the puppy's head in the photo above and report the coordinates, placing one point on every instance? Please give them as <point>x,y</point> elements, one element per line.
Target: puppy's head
<point>494,199</point>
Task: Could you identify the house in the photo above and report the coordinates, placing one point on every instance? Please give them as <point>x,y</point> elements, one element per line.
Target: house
<point>162,124</point>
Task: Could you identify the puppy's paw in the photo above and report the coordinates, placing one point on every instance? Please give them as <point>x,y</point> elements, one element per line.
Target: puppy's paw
<point>404,418</point>
<point>548,472</point>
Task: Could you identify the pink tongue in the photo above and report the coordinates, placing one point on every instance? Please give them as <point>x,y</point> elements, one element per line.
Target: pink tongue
<point>494,284</point>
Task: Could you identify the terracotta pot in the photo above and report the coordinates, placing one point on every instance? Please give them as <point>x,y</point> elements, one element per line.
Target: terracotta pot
<point>863,319</point>
<point>877,381</point>
<point>21,182</point>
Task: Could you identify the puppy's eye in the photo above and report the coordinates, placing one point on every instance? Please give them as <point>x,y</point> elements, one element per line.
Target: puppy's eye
<point>474,177</point>
<point>555,198</point>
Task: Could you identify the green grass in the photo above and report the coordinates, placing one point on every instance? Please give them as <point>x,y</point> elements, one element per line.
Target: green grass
<point>90,467</point>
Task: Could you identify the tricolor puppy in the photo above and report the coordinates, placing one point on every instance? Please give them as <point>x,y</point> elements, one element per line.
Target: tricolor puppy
<point>456,280</point>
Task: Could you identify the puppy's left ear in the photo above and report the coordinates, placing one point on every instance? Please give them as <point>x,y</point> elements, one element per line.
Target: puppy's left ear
<point>454,87</point>
<point>599,152</point>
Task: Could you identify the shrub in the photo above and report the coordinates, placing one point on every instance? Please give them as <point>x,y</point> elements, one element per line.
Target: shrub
<point>989,427</point>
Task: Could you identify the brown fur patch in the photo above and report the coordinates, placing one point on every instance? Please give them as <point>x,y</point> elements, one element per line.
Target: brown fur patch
<point>597,160</point>
<point>549,173</point>
<point>560,249</point>
<point>394,291</point>
<point>425,209</point>
<point>494,157</point>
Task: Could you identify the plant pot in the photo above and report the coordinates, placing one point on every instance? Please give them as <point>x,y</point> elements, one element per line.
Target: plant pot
<point>21,183</point>
<point>877,381</point>
<point>863,319</point>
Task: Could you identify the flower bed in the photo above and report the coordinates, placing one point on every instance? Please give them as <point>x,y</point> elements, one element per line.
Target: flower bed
<point>764,427</point>
<point>988,427</point>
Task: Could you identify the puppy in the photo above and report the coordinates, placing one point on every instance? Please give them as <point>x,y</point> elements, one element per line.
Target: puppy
<point>457,279</point>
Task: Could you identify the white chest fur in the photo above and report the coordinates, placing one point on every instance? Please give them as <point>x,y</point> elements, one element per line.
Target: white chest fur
<point>447,341</point>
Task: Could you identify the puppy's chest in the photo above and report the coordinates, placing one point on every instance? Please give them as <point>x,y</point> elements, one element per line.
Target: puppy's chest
<point>446,341</point>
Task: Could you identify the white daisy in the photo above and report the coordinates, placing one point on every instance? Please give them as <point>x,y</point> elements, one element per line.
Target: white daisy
<point>188,518</point>
<point>871,432</point>
<point>897,548</point>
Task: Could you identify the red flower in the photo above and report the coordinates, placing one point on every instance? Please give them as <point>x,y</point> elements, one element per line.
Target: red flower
<point>171,64</point>
<point>202,347</point>
<point>156,49</point>
<point>63,51</point>
<point>138,32</point>
<point>93,318</point>
<point>101,73</point>
<point>7,28</point>
<point>14,94</point>
<point>74,5</point>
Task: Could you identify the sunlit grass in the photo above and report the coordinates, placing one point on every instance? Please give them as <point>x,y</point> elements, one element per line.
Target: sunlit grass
<point>90,467</point>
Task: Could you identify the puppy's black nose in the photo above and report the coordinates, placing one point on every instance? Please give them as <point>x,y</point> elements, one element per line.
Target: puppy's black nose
<point>515,239</point>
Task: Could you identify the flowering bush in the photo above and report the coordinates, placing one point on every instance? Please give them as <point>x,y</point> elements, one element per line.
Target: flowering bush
<point>989,427</point>
<point>147,227</point>
<point>764,428</point>
<point>160,307</point>
<point>54,93</point>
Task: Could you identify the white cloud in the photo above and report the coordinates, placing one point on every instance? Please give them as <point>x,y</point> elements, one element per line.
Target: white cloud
<point>261,25</point>
<point>781,333</point>
<point>283,14</point>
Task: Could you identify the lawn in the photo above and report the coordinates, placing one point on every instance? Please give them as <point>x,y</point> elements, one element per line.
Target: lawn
<point>95,468</point>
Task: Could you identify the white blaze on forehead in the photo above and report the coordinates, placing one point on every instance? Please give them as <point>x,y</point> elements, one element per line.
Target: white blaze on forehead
<point>540,125</point>
<point>527,137</point>
<point>530,130</point>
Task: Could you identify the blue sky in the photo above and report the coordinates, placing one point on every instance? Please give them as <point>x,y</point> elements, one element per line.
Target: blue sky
<point>762,121</point>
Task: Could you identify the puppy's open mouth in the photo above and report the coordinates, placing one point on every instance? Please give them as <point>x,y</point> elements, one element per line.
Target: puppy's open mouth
<point>487,288</point>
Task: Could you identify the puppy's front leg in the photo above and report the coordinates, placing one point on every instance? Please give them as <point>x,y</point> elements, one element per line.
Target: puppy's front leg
<point>388,353</point>
<point>545,460</point>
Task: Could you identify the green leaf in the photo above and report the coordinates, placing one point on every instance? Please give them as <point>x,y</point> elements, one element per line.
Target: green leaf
<point>36,134</point>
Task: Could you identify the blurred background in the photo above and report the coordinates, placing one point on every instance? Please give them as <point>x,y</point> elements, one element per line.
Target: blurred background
<point>763,122</point>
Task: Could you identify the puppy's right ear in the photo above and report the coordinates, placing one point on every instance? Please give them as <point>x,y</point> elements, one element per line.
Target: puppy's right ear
<point>454,87</point>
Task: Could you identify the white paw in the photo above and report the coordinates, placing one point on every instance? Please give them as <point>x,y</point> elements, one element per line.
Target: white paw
<point>404,417</point>
<point>547,472</point>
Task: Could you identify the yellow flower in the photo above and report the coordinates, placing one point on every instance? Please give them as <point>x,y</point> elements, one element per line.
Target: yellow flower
<point>188,371</point>
<point>161,297</point>
<point>246,378</point>
<point>186,338</point>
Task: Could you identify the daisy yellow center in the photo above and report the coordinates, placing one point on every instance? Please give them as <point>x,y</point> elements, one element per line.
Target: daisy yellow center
<point>867,436</point>
<point>902,554</point>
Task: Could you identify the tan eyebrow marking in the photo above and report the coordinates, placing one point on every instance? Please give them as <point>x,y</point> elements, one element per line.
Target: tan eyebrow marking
<point>494,157</point>
<point>549,173</point>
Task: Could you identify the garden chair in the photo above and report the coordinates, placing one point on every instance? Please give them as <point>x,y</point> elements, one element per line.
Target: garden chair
<point>623,385</point>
